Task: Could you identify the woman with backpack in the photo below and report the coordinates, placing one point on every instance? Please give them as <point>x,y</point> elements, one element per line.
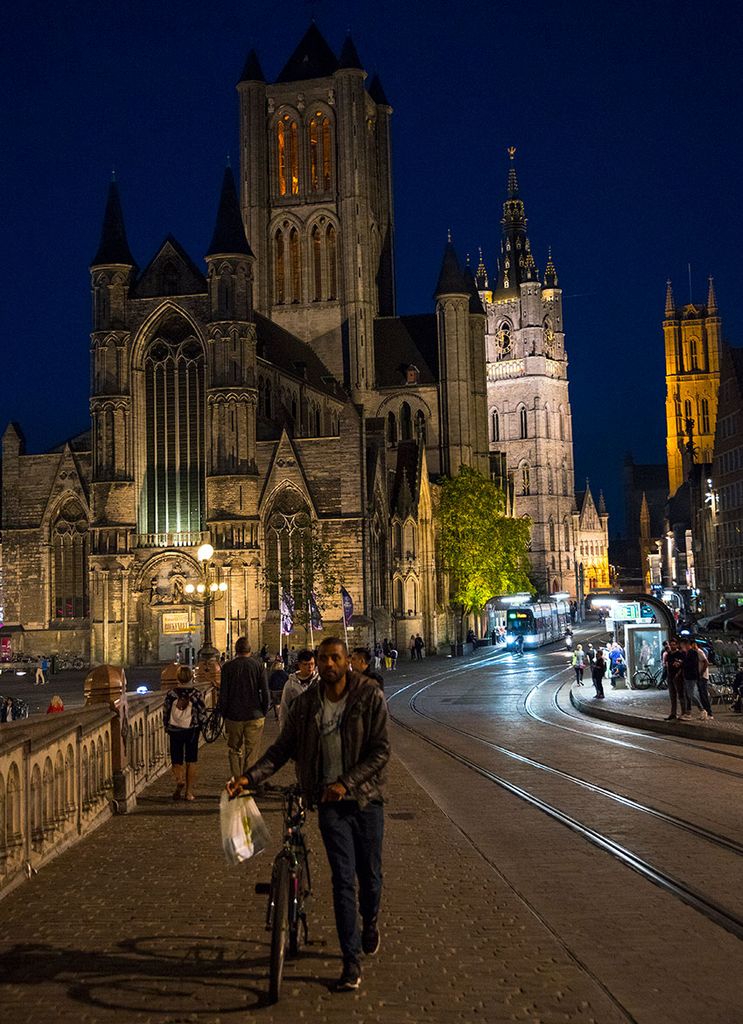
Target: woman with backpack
<point>184,712</point>
<point>579,663</point>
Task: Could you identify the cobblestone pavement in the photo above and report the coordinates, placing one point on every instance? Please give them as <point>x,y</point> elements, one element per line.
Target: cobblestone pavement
<point>650,707</point>
<point>144,922</point>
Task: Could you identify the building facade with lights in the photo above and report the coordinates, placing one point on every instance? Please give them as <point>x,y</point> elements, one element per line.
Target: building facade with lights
<point>529,415</point>
<point>269,403</point>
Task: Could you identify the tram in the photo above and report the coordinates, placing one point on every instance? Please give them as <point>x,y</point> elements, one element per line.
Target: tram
<point>538,622</point>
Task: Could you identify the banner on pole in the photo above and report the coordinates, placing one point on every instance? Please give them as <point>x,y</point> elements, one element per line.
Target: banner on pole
<point>347,606</point>
<point>315,616</point>
<point>287,613</point>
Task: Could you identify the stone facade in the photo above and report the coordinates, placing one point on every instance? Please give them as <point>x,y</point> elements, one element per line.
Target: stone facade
<point>266,404</point>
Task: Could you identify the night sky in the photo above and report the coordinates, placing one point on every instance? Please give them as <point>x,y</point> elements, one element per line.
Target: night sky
<point>628,155</point>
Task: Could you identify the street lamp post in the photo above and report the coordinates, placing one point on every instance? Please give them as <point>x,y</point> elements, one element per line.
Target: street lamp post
<point>206,592</point>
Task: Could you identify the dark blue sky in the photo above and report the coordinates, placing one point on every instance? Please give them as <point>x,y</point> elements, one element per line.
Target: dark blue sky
<point>626,119</point>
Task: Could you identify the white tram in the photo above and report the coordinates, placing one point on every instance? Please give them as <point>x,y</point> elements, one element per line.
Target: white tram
<point>538,622</point>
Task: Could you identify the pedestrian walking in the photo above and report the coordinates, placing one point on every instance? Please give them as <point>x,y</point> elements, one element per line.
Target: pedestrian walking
<point>411,647</point>
<point>673,658</point>
<point>598,668</point>
<point>419,645</point>
<point>378,655</point>
<point>393,658</point>
<point>56,704</point>
<point>703,680</point>
<point>297,682</point>
<point>184,712</point>
<point>691,667</point>
<point>337,734</point>
<point>579,664</point>
<point>39,679</point>
<point>276,683</point>
<point>243,702</point>
<point>360,662</point>
<point>386,648</point>
<point>590,653</point>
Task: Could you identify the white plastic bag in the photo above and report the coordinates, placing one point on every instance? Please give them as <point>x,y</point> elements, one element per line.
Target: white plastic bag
<point>244,832</point>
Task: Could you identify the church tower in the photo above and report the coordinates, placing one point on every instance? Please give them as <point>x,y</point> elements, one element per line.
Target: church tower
<point>316,197</point>
<point>529,414</point>
<point>692,340</point>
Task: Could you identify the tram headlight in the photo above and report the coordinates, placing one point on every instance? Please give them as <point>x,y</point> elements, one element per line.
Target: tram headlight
<point>531,638</point>
<point>510,638</point>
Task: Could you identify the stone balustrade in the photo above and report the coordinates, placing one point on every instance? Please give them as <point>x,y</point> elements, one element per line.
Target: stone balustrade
<point>63,775</point>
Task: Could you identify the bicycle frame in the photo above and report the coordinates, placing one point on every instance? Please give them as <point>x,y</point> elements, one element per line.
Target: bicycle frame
<point>294,852</point>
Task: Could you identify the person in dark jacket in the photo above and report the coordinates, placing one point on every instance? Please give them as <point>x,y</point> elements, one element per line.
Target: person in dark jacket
<point>336,731</point>
<point>243,702</point>
<point>598,669</point>
<point>361,663</point>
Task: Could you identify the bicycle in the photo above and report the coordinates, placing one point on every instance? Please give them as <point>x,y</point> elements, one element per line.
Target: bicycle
<point>289,889</point>
<point>647,679</point>
<point>213,726</point>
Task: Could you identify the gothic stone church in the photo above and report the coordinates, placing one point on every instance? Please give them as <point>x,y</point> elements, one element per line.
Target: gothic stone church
<point>248,401</point>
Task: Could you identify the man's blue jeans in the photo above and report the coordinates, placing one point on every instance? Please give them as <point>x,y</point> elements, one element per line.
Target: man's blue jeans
<point>353,843</point>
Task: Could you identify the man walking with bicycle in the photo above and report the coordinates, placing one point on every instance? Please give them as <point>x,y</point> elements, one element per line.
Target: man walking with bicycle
<point>336,731</point>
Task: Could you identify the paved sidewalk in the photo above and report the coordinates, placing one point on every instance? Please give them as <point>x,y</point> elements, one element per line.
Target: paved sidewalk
<point>647,709</point>
<point>143,922</point>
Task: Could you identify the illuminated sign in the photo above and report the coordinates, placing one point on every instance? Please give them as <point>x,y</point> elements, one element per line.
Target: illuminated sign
<point>176,622</point>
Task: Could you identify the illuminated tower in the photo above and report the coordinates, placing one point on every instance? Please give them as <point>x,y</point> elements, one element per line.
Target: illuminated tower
<point>692,339</point>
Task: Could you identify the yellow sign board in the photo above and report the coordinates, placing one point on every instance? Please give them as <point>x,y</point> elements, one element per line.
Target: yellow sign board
<point>176,622</point>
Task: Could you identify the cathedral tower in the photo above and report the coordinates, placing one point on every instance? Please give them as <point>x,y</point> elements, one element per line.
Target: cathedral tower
<point>317,202</point>
<point>692,340</point>
<point>528,404</point>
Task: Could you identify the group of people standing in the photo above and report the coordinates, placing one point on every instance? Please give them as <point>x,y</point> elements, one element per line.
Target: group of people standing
<point>602,662</point>
<point>686,668</point>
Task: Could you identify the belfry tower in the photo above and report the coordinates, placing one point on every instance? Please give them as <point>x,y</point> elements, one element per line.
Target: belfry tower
<point>692,339</point>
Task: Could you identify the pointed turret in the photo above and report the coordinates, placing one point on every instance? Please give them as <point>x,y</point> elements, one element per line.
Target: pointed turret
<point>670,306</point>
<point>313,58</point>
<point>711,297</point>
<point>377,93</point>
<point>481,274</point>
<point>550,274</point>
<point>349,57</point>
<point>252,72</point>
<point>516,265</point>
<point>229,232</point>
<point>113,247</point>
<point>602,504</point>
<point>476,305</point>
<point>451,279</point>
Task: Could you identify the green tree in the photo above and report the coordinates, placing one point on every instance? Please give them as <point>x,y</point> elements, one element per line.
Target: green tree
<point>483,551</point>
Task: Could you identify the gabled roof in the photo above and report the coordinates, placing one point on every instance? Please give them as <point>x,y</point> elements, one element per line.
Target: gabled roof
<point>403,341</point>
<point>312,58</point>
<point>170,272</point>
<point>252,72</point>
<point>113,246</point>
<point>292,355</point>
<point>229,231</point>
<point>349,56</point>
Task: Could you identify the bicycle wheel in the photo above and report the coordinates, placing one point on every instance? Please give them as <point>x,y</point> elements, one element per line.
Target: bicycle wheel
<point>212,728</point>
<point>279,928</point>
<point>297,911</point>
<point>643,680</point>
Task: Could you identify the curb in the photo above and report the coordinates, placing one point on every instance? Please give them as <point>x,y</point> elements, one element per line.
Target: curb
<point>713,733</point>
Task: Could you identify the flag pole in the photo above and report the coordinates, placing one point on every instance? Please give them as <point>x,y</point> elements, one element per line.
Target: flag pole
<point>309,612</point>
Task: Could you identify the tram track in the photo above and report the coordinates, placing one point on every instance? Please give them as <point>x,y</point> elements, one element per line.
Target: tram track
<point>692,897</point>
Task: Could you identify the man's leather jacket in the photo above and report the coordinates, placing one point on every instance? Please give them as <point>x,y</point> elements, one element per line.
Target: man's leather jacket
<point>364,742</point>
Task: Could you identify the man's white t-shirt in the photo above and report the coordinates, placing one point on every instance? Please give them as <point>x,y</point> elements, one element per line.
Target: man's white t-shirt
<point>330,739</point>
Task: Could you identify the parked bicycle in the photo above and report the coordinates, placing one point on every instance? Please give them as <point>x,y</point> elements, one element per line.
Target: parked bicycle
<point>289,889</point>
<point>648,679</point>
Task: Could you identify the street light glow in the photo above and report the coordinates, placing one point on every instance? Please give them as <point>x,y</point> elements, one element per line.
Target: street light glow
<point>201,588</point>
<point>189,588</point>
<point>205,552</point>
<point>213,587</point>
<point>223,586</point>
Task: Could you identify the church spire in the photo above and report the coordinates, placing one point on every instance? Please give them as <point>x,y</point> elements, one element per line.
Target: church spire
<point>229,231</point>
<point>670,307</point>
<point>349,56</point>
<point>113,246</point>
<point>481,274</point>
<point>252,72</point>
<point>711,297</point>
<point>516,264</point>
<point>550,274</point>
<point>451,279</point>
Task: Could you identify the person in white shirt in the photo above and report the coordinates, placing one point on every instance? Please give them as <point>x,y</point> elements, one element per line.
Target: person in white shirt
<point>297,683</point>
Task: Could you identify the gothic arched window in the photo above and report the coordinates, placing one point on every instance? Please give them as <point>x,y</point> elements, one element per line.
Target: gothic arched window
<point>687,412</point>
<point>523,422</point>
<point>391,428</point>
<point>172,497</point>
<point>397,540</point>
<point>289,550</point>
<point>295,266</point>
<point>332,258</point>
<point>564,478</point>
<point>562,424</point>
<point>279,267</point>
<point>547,431</point>
<point>399,596</point>
<point>70,561</point>
<point>566,534</point>
<point>287,153</point>
<point>420,426</point>
<point>317,264</point>
<point>321,154</point>
<point>494,426</point>
<point>550,481</point>
<point>406,422</point>
<point>525,479</point>
<point>704,418</point>
<point>693,354</point>
<point>551,527</point>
